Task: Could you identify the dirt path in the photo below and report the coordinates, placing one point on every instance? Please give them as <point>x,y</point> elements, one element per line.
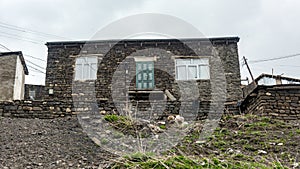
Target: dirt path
<point>47,143</point>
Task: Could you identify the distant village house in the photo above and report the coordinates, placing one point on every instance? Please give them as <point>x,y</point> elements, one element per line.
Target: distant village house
<point>12,76</point>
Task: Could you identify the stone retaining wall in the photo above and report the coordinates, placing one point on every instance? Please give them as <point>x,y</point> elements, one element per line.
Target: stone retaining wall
<point>54,109</point>
<point>278,101</point>
<point>34,109</point>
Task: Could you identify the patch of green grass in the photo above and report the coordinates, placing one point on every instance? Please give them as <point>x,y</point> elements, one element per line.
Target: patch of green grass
<point>184,162</point>
<point>143,161</point>
<point>277,165</point>
<point>111,118</point>
<point>257,133</point>
<point>162,126</point>
<point>104,141</point>
<point>219,144</point>
<point>239,156</point>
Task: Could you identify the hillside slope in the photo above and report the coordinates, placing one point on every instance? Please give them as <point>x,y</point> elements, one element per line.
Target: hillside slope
<point>239,142</point>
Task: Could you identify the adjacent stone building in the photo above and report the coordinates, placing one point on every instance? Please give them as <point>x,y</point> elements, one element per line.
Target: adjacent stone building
<point>274,96</point>
<point>167,74</point>
<point>12,76</point>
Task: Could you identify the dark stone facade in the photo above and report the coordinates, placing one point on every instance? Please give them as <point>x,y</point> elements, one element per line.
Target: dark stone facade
<point>116,60</point>
<point>277,101</point>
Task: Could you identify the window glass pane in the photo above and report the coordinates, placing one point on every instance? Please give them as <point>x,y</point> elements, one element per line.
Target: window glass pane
<point>192,72</point>
<point>150,85</point>
<point>204,72</point>
<point>86,71</point>
<point>150,66</point>
<point>32,94</point>
<point>145,85</point>
<point>145,76</point>
<point>139,76</point>
<point>150,76</point>
<point>79,61</point>
<point>139,85</point>
<point>145,66</point>
<point>91,59</point>
<point>93,71</point>
<point>181,73</point>
<point>202,61</point>
<point>139,66</point>
<point>78,72</point>
<point>183,61</point>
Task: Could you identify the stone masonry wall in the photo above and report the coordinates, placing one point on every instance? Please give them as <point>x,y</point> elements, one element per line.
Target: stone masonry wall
<point>279,101</point>
<point>35,109</point>
<point>114,57</point>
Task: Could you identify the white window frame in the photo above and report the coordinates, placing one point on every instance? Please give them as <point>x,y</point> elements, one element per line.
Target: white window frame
<point>192,63</point>
<point>83,62</point>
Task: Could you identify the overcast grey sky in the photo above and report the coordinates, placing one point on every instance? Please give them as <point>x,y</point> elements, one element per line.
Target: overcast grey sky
<point>267,28</point>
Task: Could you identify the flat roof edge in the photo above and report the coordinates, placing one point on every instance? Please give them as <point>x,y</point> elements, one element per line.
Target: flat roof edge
<point>212,39</point>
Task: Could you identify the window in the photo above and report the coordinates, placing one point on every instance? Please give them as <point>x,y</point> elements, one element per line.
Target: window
<point>86,68</point>
<point>144,75</point>
<point>32,94</point>
<point>192,69</point>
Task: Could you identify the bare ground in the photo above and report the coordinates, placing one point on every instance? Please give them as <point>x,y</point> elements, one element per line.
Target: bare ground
<point>47,143</point>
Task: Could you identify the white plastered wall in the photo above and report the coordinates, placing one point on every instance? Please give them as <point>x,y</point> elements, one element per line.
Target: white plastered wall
<point>19,81</point>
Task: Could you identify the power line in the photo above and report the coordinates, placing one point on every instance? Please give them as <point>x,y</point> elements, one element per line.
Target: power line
<point>24,30</point>
<point>288,65</point>
<point>11,34</point>
<point>275,58</point>
<point>35,57</point>
<point>11,37</point>
<point>35,65</point>
<point>4,47</point>
<point>36,69</point>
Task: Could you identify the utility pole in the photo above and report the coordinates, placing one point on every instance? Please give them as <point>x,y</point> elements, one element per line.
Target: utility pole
<point>246,63</point>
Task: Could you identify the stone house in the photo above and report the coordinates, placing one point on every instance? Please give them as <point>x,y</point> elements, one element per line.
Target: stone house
<point>12,76</point>
<point>273,95</point>
<point>161,73</point>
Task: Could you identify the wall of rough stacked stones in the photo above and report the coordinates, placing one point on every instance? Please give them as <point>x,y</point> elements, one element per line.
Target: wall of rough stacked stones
<point>116,77</point>
<point>35,109</point>
<point>279,101</point>
<point>116,58</point>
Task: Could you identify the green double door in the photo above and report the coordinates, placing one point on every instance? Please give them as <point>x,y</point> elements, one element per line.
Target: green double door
<point>144,75</point>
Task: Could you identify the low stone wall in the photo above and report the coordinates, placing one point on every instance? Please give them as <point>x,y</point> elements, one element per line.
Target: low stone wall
<point>144,110</point>
<point>278,101</point>
<point>34,109</point>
